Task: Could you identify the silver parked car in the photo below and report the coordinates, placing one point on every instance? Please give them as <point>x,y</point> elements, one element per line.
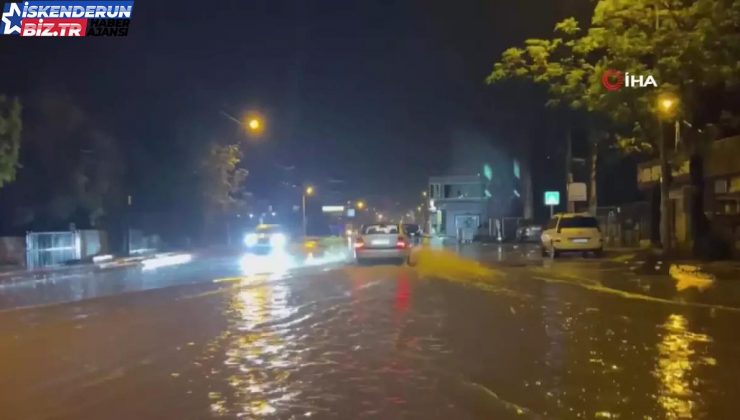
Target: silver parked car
<point>382,242</point>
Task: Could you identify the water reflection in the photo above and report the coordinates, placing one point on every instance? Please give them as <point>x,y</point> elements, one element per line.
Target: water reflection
<point>557,328</point>
<point>677,359</point>
<point>259,358</point>
<point>275,263</point>
<point>403,293</point>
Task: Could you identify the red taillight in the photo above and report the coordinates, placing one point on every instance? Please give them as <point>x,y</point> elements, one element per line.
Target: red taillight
<point>400,242</point>
<point>359,243</point>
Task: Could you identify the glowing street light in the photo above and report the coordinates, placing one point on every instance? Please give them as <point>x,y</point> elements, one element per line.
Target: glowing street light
<point>423,193</point>
<point>360,205</point>
<point>254,124</point>
<point>667,104</point>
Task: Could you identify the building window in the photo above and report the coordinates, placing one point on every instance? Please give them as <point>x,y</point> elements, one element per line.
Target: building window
<point>448,191</point>
<point>734,184</point>
<point>434,191</point>
<point>720,186</point>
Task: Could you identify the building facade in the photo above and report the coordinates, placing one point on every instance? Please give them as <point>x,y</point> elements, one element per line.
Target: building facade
<point>720,201</point>
<point>458,206</point>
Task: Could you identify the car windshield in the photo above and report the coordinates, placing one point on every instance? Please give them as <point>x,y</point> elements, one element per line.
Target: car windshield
<point>380,229</point>
<point>579,222</point>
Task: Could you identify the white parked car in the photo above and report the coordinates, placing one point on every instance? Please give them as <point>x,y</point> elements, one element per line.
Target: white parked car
<point>572,232</point>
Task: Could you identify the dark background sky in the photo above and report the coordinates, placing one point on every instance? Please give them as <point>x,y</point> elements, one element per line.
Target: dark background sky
<point>350,88</point>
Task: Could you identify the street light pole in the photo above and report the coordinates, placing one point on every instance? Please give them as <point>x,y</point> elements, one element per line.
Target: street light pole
<point>306,192</point>
<point>667,108</point>
<point>303,206</point>
<point>665,239</point>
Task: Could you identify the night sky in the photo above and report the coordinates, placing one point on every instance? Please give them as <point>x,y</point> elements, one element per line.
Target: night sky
<point>369,92</point>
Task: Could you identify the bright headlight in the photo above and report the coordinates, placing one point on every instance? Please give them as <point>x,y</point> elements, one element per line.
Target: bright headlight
<point>250,239</point>
<point>278,240</point>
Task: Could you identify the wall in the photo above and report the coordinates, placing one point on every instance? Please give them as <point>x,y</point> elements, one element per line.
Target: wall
<point>92,242</point>
<point>12,250</point>
<point>456,208</point>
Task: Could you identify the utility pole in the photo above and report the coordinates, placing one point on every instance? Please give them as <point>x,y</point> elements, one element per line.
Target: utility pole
<point>667,109</point>
<point>306,192</point>
<point>303,207</point>
<point>570,205</point>
<point>665,234</point>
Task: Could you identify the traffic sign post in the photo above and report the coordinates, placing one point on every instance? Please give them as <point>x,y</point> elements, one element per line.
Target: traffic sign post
<point>552,199</point>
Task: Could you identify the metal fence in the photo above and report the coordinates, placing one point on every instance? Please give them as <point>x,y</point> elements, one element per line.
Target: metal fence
<point>47,249</point>
<point>625,226</point>
<point>44,249</point>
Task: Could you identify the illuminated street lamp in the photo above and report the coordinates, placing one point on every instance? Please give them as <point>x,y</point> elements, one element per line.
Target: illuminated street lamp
<point>307,192</point>
<point>423,193</point>
<point>667,104</point>
<point>667,107</point>
<point>254,124</point>
<point>360,205</point>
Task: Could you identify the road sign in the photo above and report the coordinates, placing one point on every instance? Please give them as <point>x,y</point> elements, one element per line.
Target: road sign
<point>552,198</point>
<point>577,191</point>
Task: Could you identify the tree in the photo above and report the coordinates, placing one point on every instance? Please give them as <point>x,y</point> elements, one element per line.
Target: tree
<point>10,138</point>
<point>222,180</point>
<point>70,170</point>
<point>553,63</point>
<point>690,46</point>
<point>693,49</point>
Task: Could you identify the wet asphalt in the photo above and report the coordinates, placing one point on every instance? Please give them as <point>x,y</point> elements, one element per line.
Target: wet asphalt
<point>494,334</point>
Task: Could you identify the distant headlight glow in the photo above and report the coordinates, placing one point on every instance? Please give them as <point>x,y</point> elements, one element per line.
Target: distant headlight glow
<point>278,240</point>
<point>250,239</point>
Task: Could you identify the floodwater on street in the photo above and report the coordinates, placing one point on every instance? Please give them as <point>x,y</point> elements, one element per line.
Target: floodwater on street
<point>510,337</point>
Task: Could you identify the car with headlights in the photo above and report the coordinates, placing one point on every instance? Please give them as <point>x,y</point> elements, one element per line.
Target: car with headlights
<point>572,232</point>
<point>266,238</point>
<point>381,241</point>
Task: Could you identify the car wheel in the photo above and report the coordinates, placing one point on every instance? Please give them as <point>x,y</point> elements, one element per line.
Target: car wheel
<point>360,261</point>
<point>554,253</point>
<point>599,253</point>
<point>585,254</point>
<point>543,250</point>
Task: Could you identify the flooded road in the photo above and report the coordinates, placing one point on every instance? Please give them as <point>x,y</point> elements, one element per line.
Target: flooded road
<point>513,337</point>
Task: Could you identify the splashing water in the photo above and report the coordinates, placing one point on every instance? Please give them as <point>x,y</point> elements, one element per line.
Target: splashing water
<point>687,276</point>
<point>447,265</point>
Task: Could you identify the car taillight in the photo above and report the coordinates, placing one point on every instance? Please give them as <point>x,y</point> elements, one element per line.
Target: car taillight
<point>400,243</point>
<point>359,243</point>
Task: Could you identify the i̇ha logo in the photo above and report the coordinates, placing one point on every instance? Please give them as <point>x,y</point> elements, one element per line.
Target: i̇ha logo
<point>614,80</point>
